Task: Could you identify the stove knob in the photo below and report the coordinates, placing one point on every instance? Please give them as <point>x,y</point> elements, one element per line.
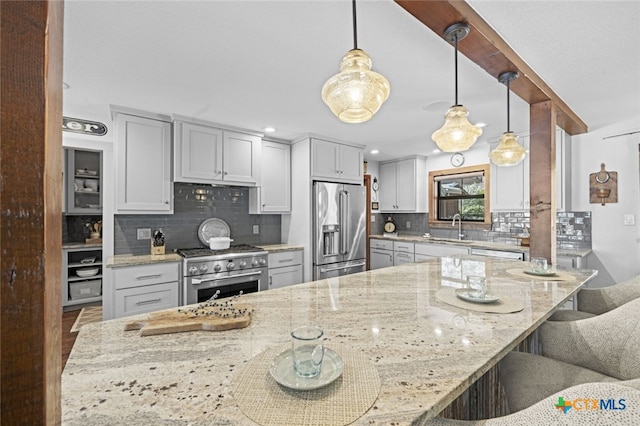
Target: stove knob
<point>217,268</point>
<point>243,264</point>
<point>263,262</point>
<point>230,266</point>
<point>203,269</point>
<point>193,270</point>
<point>254,263</point>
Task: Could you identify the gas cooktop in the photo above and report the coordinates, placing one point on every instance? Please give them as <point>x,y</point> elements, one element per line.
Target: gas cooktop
<point>202,251</point>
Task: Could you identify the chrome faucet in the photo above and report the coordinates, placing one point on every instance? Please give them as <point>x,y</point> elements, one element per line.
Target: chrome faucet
<point>457,216</point>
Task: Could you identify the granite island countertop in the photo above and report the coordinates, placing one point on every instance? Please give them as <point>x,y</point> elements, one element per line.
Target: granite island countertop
<point>426,352</point>
<point>488,245</point>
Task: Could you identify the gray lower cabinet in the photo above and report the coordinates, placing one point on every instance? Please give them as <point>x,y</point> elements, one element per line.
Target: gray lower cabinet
<point>81,275</point>
<point>285,269</point>
<point>380,253</point>
<point>146,288</point>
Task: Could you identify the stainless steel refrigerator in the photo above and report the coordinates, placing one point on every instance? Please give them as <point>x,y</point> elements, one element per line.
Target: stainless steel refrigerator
<point>339,226</point>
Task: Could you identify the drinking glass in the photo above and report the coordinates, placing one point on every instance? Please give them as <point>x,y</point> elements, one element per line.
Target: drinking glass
<point>307,350</point>
<point>539,265</point>
<point>478,285</point>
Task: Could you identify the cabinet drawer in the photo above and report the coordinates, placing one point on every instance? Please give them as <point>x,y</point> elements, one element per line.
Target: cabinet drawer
<point>400,257</point>
<point>403,247</point>
<point>381,244</point>
<point>136,276</point>
<point>139,300</point>
<point>285,258</point>
<point>438,250</point>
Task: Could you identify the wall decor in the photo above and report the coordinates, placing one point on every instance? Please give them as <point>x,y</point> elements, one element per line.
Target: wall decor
<point>78,125</point>
<point>603,186</point>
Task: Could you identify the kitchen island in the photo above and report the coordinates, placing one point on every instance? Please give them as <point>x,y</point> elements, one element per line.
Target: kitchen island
<point>426,352</point>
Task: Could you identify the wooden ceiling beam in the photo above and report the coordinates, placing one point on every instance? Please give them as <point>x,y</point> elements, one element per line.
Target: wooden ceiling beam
<point>485,47</point>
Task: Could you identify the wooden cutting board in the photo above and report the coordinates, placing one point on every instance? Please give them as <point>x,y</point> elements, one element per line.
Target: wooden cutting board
<point>219,317</point>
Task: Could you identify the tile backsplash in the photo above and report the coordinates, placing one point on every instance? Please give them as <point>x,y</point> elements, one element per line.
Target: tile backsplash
<point>573,229</point>
<point>192,205</point>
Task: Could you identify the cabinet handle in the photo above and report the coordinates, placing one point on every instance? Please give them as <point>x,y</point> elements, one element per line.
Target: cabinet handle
<point>270,281</point>
<point>148,277</point>
<point>226,173</point>
<point>285,260</point>
<point>166,202</point>
<point>263,205</point>
<point>147,302</point>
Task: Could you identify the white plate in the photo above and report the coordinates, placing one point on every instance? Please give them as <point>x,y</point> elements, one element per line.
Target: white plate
<point>473,296</point>
<point>281,370</point>
<point>213,228</point>
<point>540,274</point>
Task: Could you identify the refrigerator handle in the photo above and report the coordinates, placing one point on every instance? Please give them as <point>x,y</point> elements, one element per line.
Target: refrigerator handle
<point>344,221</point>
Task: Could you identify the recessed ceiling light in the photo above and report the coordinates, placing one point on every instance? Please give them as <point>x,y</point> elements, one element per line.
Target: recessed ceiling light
<point>437,106</point>
<point>269,129</point>
<point>435,151</point>
<point>481,124</point>
<point>374,151</point>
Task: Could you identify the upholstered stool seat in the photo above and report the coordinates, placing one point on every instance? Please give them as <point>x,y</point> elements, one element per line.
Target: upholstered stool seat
<point>596,301</point>
<point>545,411</point>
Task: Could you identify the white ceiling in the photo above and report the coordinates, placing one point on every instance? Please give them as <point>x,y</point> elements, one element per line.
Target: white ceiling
<point>253,64</point>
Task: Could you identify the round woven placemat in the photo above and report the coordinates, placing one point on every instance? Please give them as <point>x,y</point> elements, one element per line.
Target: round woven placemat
<point>560,275</point>
<point>505,305</point>
<point>342,402</point>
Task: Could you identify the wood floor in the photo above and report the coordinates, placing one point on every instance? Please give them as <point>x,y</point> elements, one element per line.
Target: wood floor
<point>68,338</point>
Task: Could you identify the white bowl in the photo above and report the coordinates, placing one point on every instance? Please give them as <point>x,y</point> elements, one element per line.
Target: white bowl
<point>87,272</point>
<point>90,183</point>
<point>219,243</point>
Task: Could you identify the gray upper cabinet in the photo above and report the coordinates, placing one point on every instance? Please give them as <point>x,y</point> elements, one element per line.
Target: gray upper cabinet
<point>336,162</point>
<point>83,183</point>
<point>143,162</point>
<point>403,185</point>
<point>206,153</point>
<point>274,193</point>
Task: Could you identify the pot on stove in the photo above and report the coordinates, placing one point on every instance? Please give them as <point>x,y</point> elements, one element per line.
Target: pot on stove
<point>219,243</point>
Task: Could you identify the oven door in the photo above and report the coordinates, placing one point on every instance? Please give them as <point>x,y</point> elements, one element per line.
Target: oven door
<point>202,287</point>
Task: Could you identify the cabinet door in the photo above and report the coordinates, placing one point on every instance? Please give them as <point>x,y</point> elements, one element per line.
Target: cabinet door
<point>283,277</point>
<point>198,153</point>
<point>84,181</point>
<point>380,258</point>
<point>240,157</point>
<point>351,159</point>
<point>388,187</point>
<point>325,159</point>
<point>275,181</point>
<point>406,185</point>
<point>143,165</point>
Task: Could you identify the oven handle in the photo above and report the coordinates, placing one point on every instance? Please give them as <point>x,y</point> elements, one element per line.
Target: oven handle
<point>344,266</point>
<point>196,281</point>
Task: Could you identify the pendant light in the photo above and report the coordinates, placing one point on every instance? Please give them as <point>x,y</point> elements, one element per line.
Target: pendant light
<point>508,152</point>
<point>356,93</point>
<point>457,134</point>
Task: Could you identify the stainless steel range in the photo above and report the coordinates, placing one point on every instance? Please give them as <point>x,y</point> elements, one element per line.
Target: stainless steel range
<point>238,268</point>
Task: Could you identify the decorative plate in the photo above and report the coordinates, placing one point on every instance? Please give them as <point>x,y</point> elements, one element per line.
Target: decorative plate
<point>212,228</point>
<point>540,274</point>
<point>475,297</point>
<point>281,370</point>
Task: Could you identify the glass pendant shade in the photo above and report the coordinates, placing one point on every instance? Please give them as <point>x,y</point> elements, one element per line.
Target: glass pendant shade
<point>356,93</point>
<point>508,152</point>
<point>457,134</point>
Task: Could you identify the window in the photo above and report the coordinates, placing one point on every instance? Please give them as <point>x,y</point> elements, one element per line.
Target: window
<point>460,191</point>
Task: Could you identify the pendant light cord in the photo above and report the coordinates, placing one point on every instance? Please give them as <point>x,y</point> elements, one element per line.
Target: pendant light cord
<point>455,43</point>
<point>508,110</point>
<point>355,27</point>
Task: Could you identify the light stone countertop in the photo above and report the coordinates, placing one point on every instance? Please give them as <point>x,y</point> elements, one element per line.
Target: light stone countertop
<point>426,352</point>
<point>122,260</point>
<point>479,244</point>
<point>275,248</point>
<point>80,245</point>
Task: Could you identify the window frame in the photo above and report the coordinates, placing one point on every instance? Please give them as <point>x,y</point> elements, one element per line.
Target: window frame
<point>433,196</point>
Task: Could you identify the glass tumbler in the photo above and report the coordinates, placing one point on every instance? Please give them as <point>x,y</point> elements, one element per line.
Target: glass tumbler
<point>478,285</point>
<point>307,350</point>
<point>539,265</point>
